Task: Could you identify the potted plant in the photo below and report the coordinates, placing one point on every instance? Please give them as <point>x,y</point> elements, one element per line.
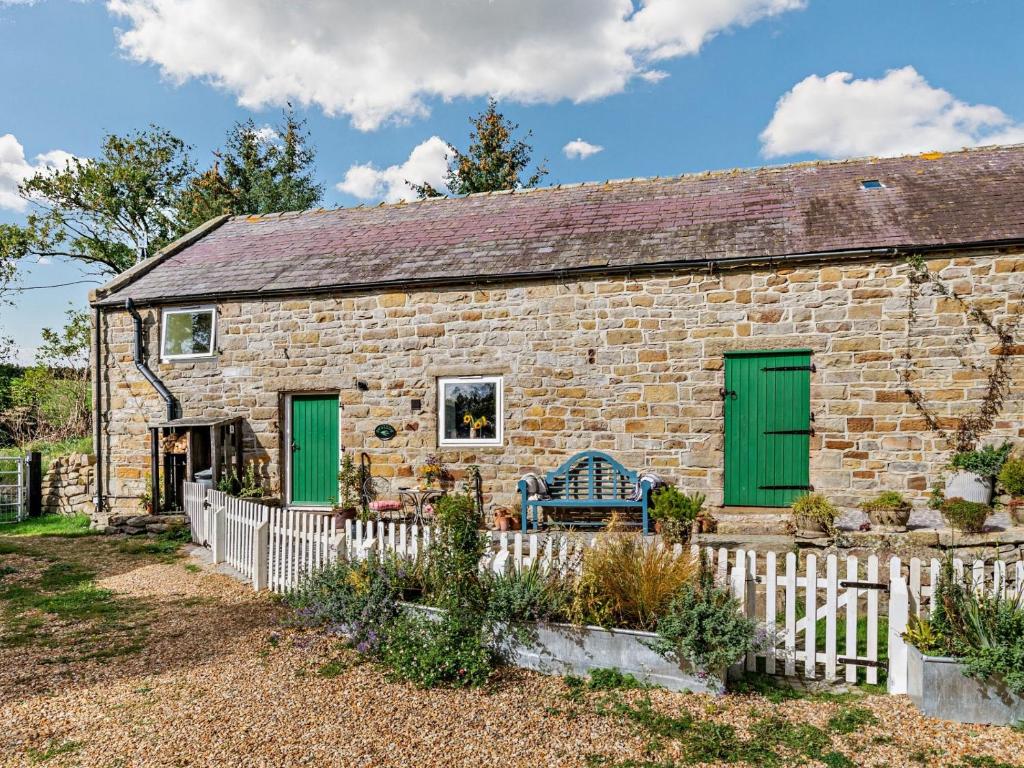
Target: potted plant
<point>965,516</point>
<point>814,514</point>
<point>964,661</point>
<point>705,522</point>
<point>674,512</point>
<point>348,487</point>
<point>888,511</point>
<point>976,472</point>
<point>504,520</point>
<point>433,470</point>
<point>1011,480</point>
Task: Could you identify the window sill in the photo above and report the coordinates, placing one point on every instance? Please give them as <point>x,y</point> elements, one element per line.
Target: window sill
<point>187,359</point>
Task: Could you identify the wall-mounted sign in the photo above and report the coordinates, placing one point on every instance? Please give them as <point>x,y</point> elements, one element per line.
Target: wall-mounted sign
<point>385,431</point>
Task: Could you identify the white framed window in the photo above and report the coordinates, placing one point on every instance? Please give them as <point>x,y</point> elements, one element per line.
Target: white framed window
<point>470,410</point>
<point>188,333</point>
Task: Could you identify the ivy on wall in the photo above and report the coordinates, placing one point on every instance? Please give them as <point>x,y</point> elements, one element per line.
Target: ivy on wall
<point>970,427</point>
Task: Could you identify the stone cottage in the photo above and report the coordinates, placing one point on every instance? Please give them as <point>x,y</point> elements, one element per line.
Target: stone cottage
<point>751,334</point>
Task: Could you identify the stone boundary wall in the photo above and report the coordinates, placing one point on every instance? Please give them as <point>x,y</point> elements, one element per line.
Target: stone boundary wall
<point>68,485</point>
<point>631,366</point>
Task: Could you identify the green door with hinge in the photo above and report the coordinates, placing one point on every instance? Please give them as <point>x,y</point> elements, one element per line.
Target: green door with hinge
<point>768,427</point>
<point>314,449</point>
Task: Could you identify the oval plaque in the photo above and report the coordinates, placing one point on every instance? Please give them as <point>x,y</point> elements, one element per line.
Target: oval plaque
<point>385,431</point>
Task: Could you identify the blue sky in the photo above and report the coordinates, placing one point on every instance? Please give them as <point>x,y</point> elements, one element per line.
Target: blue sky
<point>666,87</point>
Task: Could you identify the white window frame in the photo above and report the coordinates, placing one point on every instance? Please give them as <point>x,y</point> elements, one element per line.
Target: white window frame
<point>499,404</point>
<point>182,311</point>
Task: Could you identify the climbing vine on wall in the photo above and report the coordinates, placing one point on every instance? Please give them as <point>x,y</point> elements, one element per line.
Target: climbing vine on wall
<point>969,428</point>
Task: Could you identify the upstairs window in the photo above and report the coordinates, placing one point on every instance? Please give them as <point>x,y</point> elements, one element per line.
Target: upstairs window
<point>469,410</point>
<point>188,333</point>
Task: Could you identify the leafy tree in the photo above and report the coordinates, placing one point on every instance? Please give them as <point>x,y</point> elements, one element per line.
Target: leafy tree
<point>107,212</point>
<point>258,171</point>
<point>495,160</point>
<point>68,348</point>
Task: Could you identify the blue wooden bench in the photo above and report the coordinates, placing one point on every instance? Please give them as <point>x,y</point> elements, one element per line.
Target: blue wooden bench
<point>590,479</point>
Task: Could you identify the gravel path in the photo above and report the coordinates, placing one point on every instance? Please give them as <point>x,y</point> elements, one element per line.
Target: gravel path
<point>220,682</point>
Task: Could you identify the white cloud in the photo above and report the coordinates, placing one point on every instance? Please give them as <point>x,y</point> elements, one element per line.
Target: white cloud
<point>900,113</point>
<point>267,134</point>
<point>378,61</point>
<point>14,169</point>
<point>578,149</point>
<point>427,162</point>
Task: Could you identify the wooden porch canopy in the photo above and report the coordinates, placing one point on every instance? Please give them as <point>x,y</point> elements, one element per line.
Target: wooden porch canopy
<point>190,445</point>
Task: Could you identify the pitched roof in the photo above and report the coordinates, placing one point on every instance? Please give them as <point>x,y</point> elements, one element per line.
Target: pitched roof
<point>930,200</point>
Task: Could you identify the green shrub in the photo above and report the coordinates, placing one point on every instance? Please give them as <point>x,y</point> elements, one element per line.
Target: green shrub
<point>985,631</point>
<point>885,501</point>
<point>966,516</point>
<point>527,595</point>
<point>454,650</point>
<point>816,507</point>
<point>358,601</point>
<point>985,462</point>
<point>431,653</point>
<point>455,552</point>
<point>1011,477</point>
<point>676,512</point>
<point>704,626</point>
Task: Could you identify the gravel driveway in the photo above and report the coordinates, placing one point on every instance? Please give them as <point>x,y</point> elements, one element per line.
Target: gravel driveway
<point>212,677</point>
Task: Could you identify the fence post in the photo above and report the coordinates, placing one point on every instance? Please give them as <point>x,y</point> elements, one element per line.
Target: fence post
<point>899,611</point>
<point>218,533</point>
<point>260,556</point>
<point>35,484</point>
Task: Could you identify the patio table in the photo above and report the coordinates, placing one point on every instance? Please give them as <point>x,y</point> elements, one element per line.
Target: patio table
<point>418,499</point>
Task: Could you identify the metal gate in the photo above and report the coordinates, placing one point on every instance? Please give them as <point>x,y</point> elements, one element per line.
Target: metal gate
<point>14,476</point>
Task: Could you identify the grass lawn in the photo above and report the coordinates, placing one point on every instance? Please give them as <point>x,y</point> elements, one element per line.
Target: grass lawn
<point>48,525</point>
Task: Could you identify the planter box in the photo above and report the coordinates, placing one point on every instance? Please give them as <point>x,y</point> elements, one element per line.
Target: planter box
<point>939,688</point>
<point>565,649</point>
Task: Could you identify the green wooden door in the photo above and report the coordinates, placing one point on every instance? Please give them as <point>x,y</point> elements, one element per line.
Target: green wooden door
<point>767,427</point>
<point>314,447</point>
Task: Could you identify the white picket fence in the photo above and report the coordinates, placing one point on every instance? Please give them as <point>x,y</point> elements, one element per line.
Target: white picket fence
<point>269,546</point>
<point>299,543</point>
<point>810,611</point>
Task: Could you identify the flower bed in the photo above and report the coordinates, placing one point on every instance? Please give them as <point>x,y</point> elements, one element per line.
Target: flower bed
<point>627,603</point>
<point>566,649</point>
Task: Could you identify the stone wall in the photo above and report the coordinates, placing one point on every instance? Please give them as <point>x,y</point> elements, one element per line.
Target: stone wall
<point>629,366</point>
<point>68,485</point>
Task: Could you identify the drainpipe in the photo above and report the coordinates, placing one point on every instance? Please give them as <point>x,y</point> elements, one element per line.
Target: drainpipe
<point>97,410</point>
<point>140,361</point>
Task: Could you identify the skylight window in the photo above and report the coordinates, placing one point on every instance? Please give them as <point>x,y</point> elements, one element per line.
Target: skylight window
<point>872,184</point>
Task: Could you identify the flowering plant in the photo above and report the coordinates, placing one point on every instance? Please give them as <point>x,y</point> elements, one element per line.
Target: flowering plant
<point>475,422</point>
<point>433,469</point>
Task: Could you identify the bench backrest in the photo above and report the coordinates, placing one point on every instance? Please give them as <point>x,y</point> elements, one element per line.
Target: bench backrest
<point>591,475</point>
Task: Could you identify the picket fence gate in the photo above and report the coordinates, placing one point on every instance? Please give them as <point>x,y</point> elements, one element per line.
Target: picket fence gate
<point>809,612</point>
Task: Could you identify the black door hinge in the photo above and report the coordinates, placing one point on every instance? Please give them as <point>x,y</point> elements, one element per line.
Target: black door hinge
<point>810,368</point>
<point>789,431</point>
<point>785,487</point>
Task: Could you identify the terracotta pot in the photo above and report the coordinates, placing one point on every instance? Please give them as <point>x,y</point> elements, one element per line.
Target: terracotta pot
<point>504,522</point>
<point>342,515</point>
<point>1016,510</point>
<point>890,520</point>
<point>657,527</point>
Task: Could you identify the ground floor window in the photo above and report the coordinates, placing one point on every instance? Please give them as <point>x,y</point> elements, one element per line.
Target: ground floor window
<point>469,410</point>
